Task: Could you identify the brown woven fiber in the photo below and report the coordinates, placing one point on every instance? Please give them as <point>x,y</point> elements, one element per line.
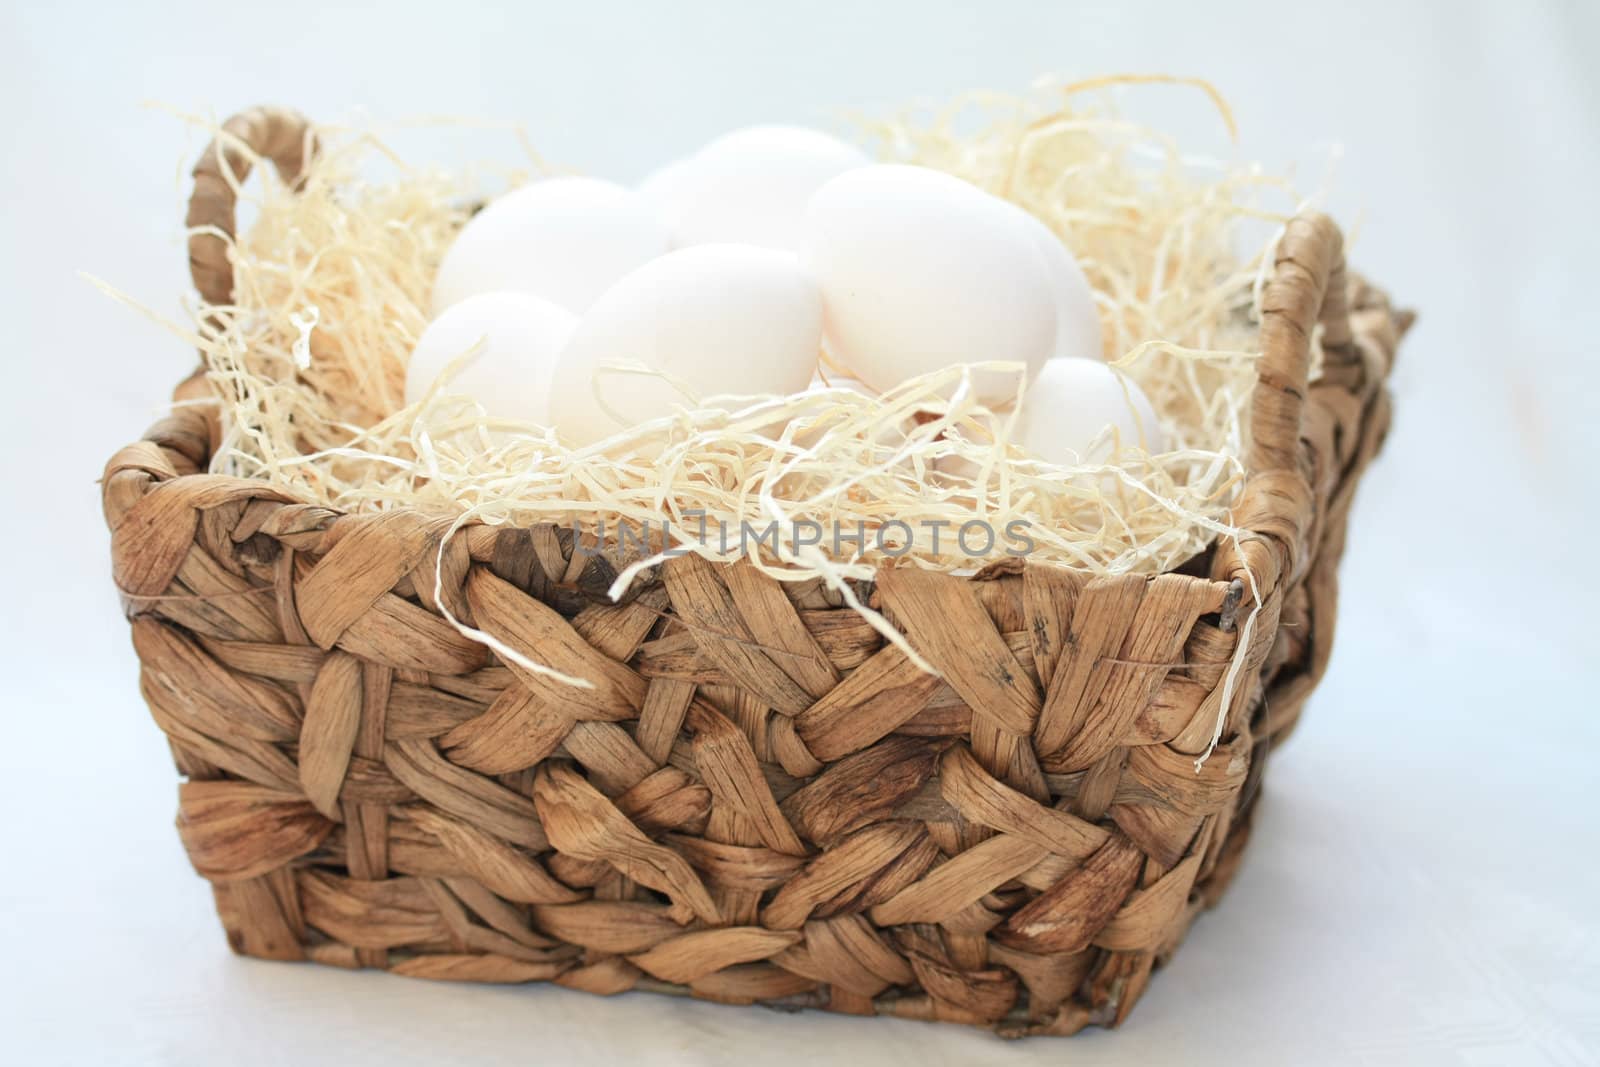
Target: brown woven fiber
<point>758,801</point>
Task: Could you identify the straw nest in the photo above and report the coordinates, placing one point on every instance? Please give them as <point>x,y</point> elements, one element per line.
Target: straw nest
<point>331,292</point>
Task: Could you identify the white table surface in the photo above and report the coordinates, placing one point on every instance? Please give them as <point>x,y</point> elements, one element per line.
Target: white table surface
<point>1423,881</point>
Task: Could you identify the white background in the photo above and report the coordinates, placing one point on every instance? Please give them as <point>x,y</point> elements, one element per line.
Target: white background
<point>1423,882</point>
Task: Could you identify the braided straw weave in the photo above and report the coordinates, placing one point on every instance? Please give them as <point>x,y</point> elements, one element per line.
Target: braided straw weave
<point>758,801</point>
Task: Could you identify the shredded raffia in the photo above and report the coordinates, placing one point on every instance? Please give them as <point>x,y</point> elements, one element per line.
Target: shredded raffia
<point>331,293</point>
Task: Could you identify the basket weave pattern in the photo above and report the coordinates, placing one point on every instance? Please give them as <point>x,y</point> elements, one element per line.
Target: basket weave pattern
<point>759,801</point>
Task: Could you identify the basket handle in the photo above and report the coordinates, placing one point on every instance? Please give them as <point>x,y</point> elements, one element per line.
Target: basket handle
<point>1307,288</point>
<point>277,134</point>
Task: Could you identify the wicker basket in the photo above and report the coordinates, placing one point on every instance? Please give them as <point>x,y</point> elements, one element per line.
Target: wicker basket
<point>759,801</point>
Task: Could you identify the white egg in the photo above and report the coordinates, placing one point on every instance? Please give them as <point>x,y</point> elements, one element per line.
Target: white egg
<point>920,271</point>
<point>722,322</point>
<point>1069,406</point>
<point>751,186</point>
<point>668,190</point>
<point>564,239</point>
<point>1077,320</point>
<point>517,338</point>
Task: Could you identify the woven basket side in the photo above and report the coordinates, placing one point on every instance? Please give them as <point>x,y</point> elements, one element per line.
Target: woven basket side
<point>755,799</point>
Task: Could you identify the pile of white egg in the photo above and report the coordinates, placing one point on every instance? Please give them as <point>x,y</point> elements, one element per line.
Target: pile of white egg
<point>591,308</point>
